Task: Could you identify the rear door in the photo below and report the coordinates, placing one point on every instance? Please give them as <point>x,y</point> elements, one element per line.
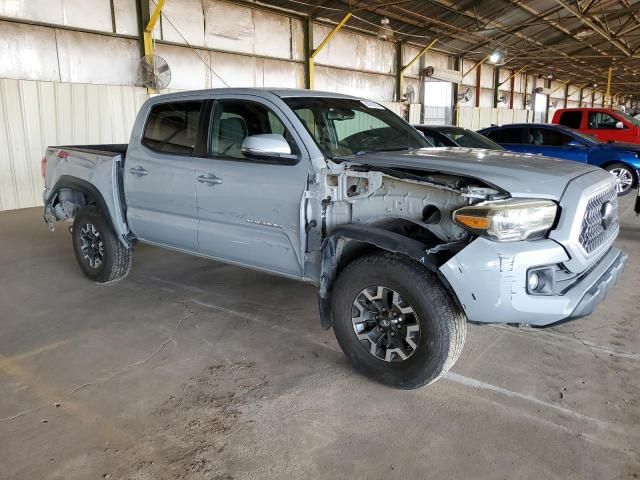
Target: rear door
<point>571,119</point>
<point>160,176</point>
<point>250,210</point>
<point>554,143</point>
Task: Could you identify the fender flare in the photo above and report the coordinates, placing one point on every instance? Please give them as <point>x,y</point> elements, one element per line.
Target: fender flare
<point>333,247</point>
<point>74,183</point>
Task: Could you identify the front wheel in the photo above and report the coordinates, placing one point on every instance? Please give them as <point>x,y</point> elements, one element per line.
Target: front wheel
<point>99,252</point>
<point>395,322</point>
<point>625,176</point>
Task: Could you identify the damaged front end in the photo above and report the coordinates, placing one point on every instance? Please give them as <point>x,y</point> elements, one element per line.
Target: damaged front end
<point>400,211</point>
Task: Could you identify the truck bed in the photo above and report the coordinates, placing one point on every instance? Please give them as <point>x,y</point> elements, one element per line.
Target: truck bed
<point>102,149</point>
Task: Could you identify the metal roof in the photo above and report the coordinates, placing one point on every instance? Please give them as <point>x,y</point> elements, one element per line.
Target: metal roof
<point>573,40</point>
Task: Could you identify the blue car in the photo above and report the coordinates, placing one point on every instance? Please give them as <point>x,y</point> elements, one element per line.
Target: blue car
<point>620,159</point>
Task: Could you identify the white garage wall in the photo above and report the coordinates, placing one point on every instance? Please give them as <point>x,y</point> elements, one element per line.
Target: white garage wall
<point>36,114</point>
<point>482,117</point>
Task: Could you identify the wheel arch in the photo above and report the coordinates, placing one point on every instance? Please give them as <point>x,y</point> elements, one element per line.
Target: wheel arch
<point>351,241</point>
<point>634,171</point>
<point>83,194</point>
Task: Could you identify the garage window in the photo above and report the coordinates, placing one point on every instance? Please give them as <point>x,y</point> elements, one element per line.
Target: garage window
<point>571,119</point>
<point>173,128</point>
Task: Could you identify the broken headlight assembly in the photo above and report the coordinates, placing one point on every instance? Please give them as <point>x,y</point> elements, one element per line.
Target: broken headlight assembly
<point>508,220</point>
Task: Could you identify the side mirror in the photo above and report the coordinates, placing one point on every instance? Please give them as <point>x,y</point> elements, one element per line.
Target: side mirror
<point>619,125</point>
<point>266,145</point>
<point>575,144</point>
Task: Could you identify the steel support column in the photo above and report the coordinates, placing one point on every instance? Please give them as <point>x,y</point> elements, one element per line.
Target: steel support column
<point>148,30</point>
<point>478,67</point>
<point>496,85</point>
<point>314,52</point>
<point>609,74</point>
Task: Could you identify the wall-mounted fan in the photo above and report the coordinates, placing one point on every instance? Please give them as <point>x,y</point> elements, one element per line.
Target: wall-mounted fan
<point>427,71</point>
<point>410,94</point>
<point>464,97</point>
<point>154,72</point>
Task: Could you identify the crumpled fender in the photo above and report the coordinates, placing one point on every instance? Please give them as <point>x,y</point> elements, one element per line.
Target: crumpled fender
<point>333,247</point>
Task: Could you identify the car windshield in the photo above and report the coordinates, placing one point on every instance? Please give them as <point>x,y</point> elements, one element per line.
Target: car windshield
<point>629,118</point>
<point>342,126</point>
<point>469,138</point>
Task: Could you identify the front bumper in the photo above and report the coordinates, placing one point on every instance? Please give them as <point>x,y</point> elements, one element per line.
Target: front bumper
<point>489,279</point>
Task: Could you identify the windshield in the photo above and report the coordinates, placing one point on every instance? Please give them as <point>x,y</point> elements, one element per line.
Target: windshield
<point>469,138</point>
<point>343,127</point>
<point>629,118</point>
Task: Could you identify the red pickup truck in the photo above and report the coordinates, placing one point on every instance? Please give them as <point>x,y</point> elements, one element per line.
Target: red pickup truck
<point>603,123</point>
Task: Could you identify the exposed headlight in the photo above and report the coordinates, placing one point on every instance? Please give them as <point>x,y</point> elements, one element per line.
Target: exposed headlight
<point>508,220</point>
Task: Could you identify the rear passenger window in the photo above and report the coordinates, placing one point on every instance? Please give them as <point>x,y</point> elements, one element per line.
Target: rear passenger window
<point>571,119</point>
<point>173,127</point>
<point>506,135</point>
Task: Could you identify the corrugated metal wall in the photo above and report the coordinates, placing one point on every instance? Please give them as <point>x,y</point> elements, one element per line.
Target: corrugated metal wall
<point>36,114</point>
<point>482,117</point>
<point>73,65</point>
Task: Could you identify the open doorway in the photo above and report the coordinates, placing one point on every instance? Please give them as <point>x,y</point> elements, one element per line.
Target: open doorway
<point>438,102</point>
<point>540,108</point>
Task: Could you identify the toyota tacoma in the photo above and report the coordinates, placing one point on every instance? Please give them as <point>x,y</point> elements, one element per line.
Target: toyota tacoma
<point>406,242</point>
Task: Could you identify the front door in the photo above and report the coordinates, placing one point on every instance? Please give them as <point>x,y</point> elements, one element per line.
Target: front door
<point>250,210</point>
<point>602,125</point>
<point>159,176</point>
<point>553,143</point>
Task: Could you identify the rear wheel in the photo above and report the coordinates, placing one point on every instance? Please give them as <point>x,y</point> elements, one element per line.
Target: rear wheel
<point>625,176</point>
<point>395,322</point>
<point>99,252</point>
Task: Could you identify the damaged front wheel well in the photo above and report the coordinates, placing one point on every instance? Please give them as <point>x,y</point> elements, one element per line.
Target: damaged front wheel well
<point>351,241</point>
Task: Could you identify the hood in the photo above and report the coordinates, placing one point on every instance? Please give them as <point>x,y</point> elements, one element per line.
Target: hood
<point>521,175</point>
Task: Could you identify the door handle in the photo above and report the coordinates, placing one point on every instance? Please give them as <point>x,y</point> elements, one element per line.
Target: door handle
<point>139,171</point>
<point>210,179</point>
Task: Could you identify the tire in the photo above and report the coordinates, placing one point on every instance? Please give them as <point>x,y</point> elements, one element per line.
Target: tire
<point>442,326</point>
<point>626,176</point>
<point>99,252</point>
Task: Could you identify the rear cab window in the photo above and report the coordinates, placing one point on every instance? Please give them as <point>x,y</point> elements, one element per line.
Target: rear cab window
<point>571,119</point>
<point>173,127</point>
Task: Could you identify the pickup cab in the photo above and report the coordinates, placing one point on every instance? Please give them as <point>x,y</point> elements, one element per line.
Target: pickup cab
<point>605,124</point>
<point>405,242</point>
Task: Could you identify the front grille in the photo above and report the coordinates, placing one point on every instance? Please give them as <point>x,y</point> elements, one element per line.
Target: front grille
<point>594,231</point>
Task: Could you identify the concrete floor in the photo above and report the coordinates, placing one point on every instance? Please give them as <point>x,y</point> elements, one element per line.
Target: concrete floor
<point>190,369</point>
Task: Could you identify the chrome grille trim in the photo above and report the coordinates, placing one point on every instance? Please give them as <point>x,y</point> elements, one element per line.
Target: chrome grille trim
<point>593,234</point>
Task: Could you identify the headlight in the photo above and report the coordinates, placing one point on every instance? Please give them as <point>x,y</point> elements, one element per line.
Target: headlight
<point>508,220</point>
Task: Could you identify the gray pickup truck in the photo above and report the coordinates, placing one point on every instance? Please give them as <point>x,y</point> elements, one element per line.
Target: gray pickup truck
<point>405,242</point>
